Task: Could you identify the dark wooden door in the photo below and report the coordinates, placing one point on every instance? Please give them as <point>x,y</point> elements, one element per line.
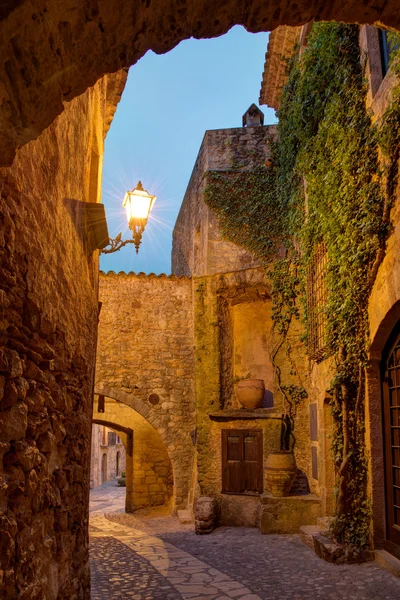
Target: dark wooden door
<point>391,413</point>
<point>242,468</point>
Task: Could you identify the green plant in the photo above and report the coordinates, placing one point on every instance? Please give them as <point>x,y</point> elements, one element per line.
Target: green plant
<point>326,139</point>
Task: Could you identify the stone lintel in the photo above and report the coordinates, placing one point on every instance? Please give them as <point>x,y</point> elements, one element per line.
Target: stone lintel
<point>243,414</point>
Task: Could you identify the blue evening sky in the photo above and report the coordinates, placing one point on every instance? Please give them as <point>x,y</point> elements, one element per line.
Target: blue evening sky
<point>168,103</point>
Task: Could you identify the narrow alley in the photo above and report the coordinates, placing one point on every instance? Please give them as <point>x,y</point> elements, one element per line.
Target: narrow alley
<point>149,555</point>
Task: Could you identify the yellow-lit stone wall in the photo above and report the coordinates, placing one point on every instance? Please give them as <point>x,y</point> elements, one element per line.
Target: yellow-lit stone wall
<point>145,360</point>
<point>213,394</point>
<point>48,322</point>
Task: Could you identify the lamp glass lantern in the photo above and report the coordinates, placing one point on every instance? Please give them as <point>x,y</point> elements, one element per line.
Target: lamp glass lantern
<point>138,204</point>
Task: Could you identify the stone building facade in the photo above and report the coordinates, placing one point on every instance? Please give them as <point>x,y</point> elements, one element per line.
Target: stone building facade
<point>53,51</point>
<point>210,325</point>
<point>384,305</point>
<point>48,324</point>
<point>107,456</point>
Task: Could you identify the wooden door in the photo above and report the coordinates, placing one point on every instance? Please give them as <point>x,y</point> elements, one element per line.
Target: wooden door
<point>391,414</point>
<point>242,466</point>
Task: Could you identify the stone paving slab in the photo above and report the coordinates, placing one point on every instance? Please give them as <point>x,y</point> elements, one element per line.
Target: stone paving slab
<point>191,577</point>
<point>272,567</point>
<point>228,564</point>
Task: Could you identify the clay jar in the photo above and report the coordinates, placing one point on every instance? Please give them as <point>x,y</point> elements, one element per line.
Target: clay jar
<point>280,470</point>
<point>250,392</point>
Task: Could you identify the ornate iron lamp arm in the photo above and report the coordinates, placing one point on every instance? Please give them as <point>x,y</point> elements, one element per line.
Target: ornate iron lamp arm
<point>115,244</point>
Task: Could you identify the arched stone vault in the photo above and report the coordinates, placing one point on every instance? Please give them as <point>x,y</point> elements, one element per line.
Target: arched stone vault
<point>53,50</point>
<point>181,476</point>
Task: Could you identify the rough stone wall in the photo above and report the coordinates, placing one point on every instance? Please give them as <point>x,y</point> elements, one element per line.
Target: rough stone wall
<point>54,50</point>
<point>48,321</point>
<point>151,467</point>
<point>197,245</point>
<point>145,360</point>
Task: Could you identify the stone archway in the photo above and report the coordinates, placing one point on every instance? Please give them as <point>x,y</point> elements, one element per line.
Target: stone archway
<point>127,439</point>
<point>150,471</point>
<point>52,51</point>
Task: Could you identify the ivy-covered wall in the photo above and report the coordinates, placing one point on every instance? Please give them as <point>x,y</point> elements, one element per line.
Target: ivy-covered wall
<point>331,181</point>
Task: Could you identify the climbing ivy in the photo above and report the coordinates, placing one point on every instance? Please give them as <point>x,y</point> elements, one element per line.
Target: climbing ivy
<point>326,183</point>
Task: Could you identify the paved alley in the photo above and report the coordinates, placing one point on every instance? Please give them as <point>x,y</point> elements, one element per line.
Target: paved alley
<point>151,556</point>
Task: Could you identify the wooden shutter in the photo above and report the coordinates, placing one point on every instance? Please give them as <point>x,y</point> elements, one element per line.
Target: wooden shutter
<point>232,459</point>
<point>242,464</point>
<point>252,461</point>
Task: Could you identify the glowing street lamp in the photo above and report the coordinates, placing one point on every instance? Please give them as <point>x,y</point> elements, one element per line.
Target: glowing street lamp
<point>138,204</point>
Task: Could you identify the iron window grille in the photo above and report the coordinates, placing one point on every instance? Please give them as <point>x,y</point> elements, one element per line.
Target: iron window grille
<point>316,304</point>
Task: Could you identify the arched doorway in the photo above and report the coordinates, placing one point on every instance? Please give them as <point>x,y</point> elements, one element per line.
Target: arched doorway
<point>391,426</point>
<point>104,468</point>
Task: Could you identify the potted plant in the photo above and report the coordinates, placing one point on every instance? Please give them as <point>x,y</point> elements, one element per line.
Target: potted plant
<point>280,467</point>
<point>249,391</point>
<point>122,479</point>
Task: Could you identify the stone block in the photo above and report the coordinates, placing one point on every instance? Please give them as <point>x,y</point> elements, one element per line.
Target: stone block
<point>388,561</point>
<point>185,516</point>
<point>307,534</point>
<point>288,514</point>
<point>14,423</point>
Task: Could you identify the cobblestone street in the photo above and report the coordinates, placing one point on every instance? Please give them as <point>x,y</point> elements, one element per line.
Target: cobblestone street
<point>151,556</point>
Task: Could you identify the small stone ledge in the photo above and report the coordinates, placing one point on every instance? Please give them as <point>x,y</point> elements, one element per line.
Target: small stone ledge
<point>388,562</point>
<point>288,514</point>
<point>243,414</point>
<point>330,551</point>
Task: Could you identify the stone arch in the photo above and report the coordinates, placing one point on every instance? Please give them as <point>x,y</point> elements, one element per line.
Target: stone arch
<point>159,470</point>
<point>81,42</point>
<point>127,440</point>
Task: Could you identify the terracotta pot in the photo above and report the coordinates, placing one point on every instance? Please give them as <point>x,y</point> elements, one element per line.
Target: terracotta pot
<point>250,392</point>
<point>280,469</point>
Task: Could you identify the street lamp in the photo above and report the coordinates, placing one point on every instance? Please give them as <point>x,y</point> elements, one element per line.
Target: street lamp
<point>138,204</point>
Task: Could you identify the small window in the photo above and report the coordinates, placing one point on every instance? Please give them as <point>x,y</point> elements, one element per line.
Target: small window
<point>242,462</point>
<point>316,304</point>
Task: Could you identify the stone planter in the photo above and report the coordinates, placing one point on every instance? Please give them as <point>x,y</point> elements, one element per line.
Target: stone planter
<point>250,392</point>
<point>280,469</point>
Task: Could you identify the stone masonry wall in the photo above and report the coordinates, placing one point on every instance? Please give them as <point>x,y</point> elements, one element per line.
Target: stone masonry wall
<point>212,392</point>
<point>48,322</point>
<point>145,360</point>
<point>197,245</point>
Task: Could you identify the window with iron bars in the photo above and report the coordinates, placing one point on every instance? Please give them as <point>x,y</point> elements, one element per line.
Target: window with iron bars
<point>316,304</point>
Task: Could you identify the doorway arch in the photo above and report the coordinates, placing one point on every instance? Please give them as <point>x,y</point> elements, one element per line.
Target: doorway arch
<point>149,469</point>
<point>103,44</point>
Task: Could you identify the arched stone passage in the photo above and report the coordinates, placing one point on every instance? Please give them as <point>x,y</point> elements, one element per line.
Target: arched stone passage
<point>53,51</point>
<point>150,468</point>
<point>126,435</point>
